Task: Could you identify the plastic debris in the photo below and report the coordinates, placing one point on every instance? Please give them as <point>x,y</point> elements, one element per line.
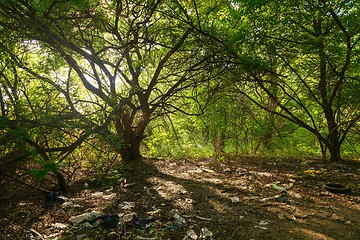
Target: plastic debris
<point>229,171</point>
<point>85,225</point>
<point>191,234</point>
<point>261,227</point>
<point>179,220</point>
<point>85,217</point>
<point>312,172</point>
<point>205,169</point>
<point>59,225</point>
<point>235,199</point>
<point>205,233</point>
<point>203,218</point>
<point>174,211</point>
<point>337,188</point>
<point>128,217</point>
<point>283,188</point>
<point>263,223</point>
<point>126,205</point>
<point>282,197</point>
<point>97,194</point>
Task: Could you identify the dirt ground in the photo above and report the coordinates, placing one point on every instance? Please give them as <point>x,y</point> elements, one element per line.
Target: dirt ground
<point>243,198</point>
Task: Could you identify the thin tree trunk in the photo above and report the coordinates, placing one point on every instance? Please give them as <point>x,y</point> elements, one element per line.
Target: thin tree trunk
<point>333,140</point>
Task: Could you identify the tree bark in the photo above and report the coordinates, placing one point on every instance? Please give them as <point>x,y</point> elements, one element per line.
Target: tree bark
<point>333,139</point>
<point>130,130</point>
<point>131,151</point>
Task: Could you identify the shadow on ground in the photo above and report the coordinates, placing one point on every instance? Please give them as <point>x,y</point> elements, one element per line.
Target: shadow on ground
<point>243,199</point>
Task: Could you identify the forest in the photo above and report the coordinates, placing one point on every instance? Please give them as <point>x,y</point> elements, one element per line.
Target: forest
<point>180,119</point>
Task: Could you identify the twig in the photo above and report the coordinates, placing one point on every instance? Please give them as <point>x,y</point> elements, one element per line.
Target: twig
<point>37,233</point>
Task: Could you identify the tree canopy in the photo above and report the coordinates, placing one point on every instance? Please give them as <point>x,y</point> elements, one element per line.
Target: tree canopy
<point>111,71</point>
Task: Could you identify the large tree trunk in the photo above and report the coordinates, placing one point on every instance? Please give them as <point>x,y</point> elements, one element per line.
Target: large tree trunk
<point>131,150</point>
<point>131,133</point>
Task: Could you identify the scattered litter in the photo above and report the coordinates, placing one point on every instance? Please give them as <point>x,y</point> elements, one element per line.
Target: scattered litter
<point>59,225</point>
<point>197,170</point>
<point>85,225</point>
<point>282,197</point>
<point>126,205</point>
<point>205,233</point>
<point>348,222</point>
<point>325,194</point>
<point>283,187</point>
<point>261,227</point>
<point>336,188</point>
<point>235,199</point>
<point>85,217</point>
<point>145,238</point>
<point>312,172</point>
<point>174,211</point>
<point>128,185</point>
<point>122,181</point>
<point>128,217</point>
<point>217,181</point>
<point>179,220</point>
<point>203,218</point>
<point>229,171</point>
<point>279,197</point>
<point>97,194</point>
<point>205,169</point>
<point>296,195</point>
<point>154,212</point>
<point>35,235</point>
<point>263,223</point>
<point>191,234</point>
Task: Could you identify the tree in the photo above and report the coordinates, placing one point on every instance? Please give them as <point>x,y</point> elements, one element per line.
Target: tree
<point>132,56</point>
<point>302,56</point>
<point>33,122</point>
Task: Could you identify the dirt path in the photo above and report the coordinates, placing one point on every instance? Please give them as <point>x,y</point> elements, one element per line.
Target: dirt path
<point>248,198</point>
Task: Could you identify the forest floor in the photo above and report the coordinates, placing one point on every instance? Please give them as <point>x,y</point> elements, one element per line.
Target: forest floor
<point>245,198</point>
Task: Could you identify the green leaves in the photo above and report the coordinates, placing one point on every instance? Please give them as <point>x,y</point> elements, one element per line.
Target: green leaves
<point>40,5</point>
<point>49,166</point>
